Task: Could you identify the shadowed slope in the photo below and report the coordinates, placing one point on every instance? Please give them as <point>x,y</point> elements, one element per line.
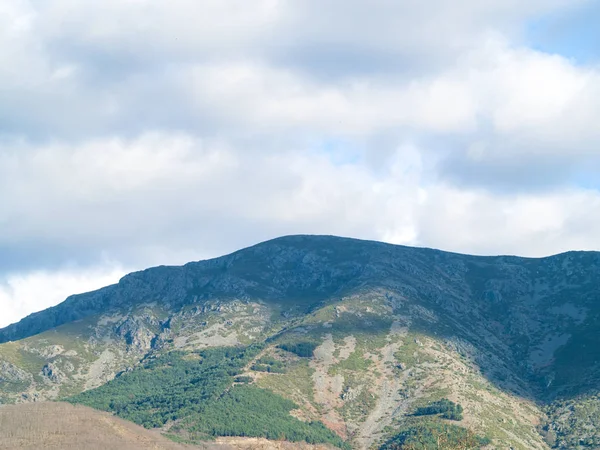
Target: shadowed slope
<point>539,315</point>
<point>491,333</point>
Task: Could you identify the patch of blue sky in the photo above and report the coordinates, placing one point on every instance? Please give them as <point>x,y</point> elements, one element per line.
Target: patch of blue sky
<point>341,151</point>
<point>587,179</point>
<point>574,34</point>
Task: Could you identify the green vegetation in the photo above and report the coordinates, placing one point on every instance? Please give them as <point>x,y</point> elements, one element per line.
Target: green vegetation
<point>444,407</point>
<point>243,379</point>
<point>256,412</point>
<point>302,349</point>
<point>410,352</point>
<point>168,387</point>
<point>369,329</point>
<point>573,423</point>
<point>434,435</point>
<point>296,384</point>
<point>197,396</point>
<point>15,353</point>
<point>359,407</point>
<point>355,362</point>
<point>269,364</point>
<point>458,325</point>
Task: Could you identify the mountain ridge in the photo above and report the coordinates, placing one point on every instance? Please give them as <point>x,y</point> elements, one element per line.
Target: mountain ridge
<point>392,328</point>
<point>11,332</point>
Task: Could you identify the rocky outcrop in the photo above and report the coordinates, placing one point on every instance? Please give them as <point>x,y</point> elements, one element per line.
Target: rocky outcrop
<point>52,373</point>
<point>527,326</point>
<point>136,334</point>
<point>12,374</point>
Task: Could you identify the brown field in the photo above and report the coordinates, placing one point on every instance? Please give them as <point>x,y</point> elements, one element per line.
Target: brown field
<point>66,427</point>
<point>239,443</point>
<point>62,426</point>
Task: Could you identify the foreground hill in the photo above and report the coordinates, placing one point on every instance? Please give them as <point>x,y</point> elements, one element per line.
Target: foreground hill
<point>61,426</point>
<point>352,343</point>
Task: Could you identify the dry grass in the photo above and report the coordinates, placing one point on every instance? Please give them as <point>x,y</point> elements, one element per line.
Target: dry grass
<point>62,426</point>
<point>66,427</point>
<point>237,443</point>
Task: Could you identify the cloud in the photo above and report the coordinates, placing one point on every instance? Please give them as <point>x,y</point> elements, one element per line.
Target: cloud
<point>136,203</point>
<point>162,197</point>
<point>137,62</point>
<point>126,197</point>
<point>525,225</point>
<point>22,294</point>
<point>311,33</point>
<point>161,132</point>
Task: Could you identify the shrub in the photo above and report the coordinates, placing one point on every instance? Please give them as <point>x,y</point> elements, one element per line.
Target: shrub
<point>198,394</point>
<point>444,407</point>
<point>302,349</point>
<point>435,435</point>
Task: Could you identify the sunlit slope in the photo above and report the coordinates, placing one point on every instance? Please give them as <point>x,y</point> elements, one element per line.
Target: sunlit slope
<point>514,341</point>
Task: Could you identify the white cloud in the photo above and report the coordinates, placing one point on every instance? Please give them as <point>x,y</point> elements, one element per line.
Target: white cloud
<point>281,194</point>
<point>186,29</point>
<point>22,294</point>
<point>124,195</point>
<point>525,225</point>
<point>161,132</point>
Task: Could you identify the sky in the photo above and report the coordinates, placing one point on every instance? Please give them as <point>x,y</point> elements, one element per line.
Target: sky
<point>135,133</point>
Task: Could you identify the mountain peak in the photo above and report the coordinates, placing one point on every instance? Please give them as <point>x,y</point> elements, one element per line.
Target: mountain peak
<point>387,331</point>
<point>309,266</point>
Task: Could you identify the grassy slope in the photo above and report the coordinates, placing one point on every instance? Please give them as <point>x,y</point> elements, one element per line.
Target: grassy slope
<point>60,426</point>
<point>493,333</point>
<point>194,397</point>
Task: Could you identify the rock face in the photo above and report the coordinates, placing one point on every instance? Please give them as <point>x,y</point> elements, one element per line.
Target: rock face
<point>136,334</point>
<point>9,373</point>
<point>52,373</point>
<point>501,328</point>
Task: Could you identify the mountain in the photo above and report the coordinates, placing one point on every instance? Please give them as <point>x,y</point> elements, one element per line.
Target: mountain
<point>334,340</point>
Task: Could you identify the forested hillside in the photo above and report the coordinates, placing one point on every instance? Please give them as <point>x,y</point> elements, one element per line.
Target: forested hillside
<point>331,340</point>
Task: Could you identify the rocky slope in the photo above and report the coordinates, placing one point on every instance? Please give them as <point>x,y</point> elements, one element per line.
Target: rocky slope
<point>513,340</point>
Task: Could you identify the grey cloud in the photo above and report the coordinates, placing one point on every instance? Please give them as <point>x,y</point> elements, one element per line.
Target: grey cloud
<point>525,174</point>
<point>162,209</point>
<point>267,89</point>
<point>340,38</point>
<point>508,165</point>
<point>132,61</point>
